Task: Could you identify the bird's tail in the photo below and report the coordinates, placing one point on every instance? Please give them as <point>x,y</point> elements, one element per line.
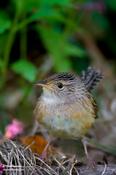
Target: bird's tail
<point>91,78</point>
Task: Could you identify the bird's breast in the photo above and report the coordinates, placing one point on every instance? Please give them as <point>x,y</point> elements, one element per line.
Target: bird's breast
<point>66,121</point>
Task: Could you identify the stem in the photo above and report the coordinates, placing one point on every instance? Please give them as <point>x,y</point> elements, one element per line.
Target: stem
<point>23,43</point>
<point>22,24</point>
<point>7,51</point>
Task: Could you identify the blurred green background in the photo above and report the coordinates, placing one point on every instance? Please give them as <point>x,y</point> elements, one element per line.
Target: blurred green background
<point>40,37</point>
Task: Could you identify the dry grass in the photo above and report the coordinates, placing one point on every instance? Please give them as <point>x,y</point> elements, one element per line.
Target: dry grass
<point>19,160</point>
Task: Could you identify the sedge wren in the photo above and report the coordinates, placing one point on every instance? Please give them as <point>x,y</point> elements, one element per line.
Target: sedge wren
<point>66,107</point>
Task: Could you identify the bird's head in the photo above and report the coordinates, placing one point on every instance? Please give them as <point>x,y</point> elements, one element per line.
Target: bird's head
<point>61,85</point>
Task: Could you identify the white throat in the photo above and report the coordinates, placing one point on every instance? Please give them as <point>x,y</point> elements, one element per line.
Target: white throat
<point>50,98</point>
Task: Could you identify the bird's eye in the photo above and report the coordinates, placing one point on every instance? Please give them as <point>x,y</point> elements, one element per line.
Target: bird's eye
<point>60,85</point>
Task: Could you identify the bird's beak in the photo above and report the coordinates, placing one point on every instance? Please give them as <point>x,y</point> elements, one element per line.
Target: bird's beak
<point>41,83</point>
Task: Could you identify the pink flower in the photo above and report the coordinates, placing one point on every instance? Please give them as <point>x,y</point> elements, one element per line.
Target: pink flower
<point>13,129</point>
<point>1,168</point>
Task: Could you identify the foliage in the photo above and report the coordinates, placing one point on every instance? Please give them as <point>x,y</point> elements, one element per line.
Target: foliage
<point>33,31</point>
<point>26,12</point>
<point>26,69</point>
<point>55,22</point>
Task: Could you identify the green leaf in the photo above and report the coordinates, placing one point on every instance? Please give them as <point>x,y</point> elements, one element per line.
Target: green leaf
<point>26,69</point>
<point>24,6</point>
<point>5,22</point>
<point>1,64</point>
<point>111,4</point>
<point>100,20</point>
<point>56,2</point>
<point>33,5</point>
<point>47,13</point>
<point>55,42</point>
<point>74,50</point>
<point>59,47</point>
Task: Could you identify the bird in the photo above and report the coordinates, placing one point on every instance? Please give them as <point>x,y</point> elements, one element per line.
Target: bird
<point>66,107</point>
